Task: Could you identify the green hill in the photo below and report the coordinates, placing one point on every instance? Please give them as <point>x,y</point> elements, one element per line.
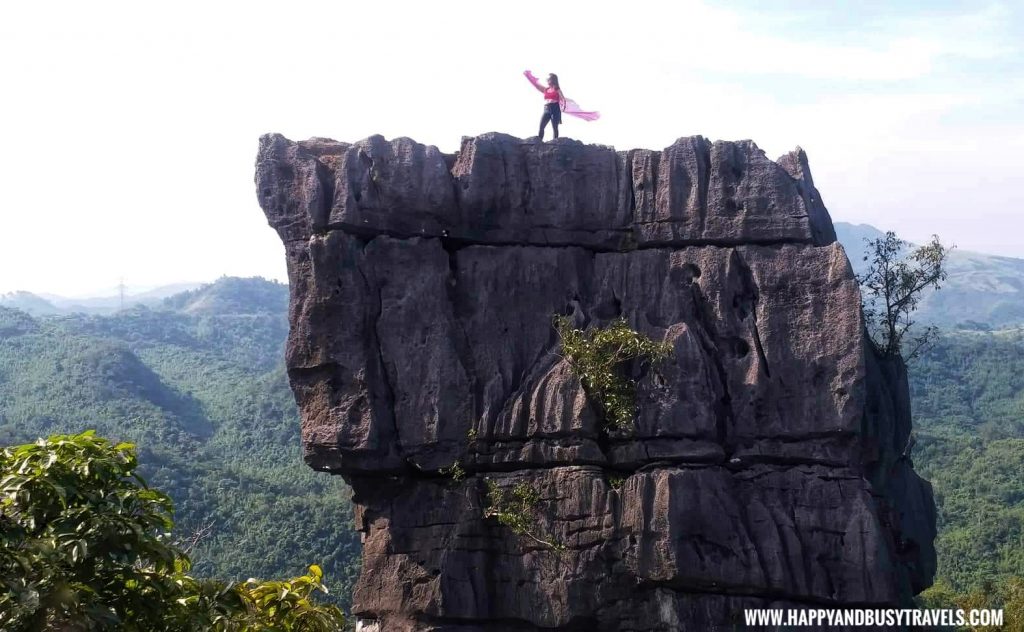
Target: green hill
<point>968,399</point>
<point>29,303</point>
<point>204,395</point>
<point>232,295</point>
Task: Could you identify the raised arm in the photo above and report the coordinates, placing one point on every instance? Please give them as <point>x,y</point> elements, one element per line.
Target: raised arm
<point>533,80</point>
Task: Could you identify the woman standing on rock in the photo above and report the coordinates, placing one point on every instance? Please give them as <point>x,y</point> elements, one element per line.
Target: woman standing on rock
<point>555,103</point>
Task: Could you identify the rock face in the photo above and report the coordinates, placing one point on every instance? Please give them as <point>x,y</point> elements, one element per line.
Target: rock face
<point>766,466</point>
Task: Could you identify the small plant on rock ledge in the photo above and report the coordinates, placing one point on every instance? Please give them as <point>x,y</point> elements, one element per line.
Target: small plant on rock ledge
<point>516,508</point>
<point>597,357</point>
<point>455,471</point>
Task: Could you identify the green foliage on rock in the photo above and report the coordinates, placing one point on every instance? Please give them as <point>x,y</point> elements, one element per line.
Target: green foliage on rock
<point>85,544</point>
<point>455,471</point>
<point>517,508</point>
<point>597,357</point>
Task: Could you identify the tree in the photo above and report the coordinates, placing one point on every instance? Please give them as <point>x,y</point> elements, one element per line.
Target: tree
<point>85,544</point>
<point>892,288</point>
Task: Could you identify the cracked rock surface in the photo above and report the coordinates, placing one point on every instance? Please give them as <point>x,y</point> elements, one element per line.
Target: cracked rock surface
<point>766,467</point>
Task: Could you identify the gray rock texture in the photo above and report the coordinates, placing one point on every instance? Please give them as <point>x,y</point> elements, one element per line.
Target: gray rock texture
<point>766,467</point>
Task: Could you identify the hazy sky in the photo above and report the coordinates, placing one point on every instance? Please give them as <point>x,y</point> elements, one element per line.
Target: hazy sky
<point>129,129</point>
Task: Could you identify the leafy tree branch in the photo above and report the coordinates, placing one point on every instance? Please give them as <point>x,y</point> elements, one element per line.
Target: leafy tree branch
<point>892,288</point>
<point>85,544</point>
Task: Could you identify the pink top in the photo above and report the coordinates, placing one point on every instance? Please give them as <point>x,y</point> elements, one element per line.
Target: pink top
<point>551,94</point>
<point>554,95</point>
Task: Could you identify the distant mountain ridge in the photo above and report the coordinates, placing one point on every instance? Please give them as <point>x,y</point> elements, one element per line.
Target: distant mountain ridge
<point>232,295</point>
<point>225,295</point>
<point>29,303</point>
<point>982,291</point>
<point>45,304</point>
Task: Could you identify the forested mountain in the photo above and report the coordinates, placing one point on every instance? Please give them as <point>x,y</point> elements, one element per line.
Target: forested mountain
<point>968,398</point>
<point>198,384</point>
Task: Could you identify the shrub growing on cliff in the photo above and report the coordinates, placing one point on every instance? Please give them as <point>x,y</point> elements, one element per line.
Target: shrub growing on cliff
<point>455,471</point>
<point>85,545</point>
<point>597,357</point>
<point>516,508</point>
<point>892,287</point>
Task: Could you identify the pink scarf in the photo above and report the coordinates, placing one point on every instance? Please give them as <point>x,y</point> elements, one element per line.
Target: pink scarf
<point>569,106</point>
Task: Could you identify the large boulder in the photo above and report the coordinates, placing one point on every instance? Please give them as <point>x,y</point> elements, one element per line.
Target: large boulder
<point>766,464</point>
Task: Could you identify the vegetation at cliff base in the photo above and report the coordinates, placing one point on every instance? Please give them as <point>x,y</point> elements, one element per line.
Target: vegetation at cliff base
<point>597,357</point>
<point>85,544</point>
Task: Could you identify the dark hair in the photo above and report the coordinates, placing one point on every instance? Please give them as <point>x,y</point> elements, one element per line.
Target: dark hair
<point>553,78</point>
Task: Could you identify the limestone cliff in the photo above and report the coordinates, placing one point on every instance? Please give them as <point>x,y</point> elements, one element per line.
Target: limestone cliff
<point>766,466</point>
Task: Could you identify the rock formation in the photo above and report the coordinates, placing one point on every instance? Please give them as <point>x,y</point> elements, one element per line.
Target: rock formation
<point>766,465</point>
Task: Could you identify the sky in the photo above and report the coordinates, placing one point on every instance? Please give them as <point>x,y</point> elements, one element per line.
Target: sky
<point>130,129</point>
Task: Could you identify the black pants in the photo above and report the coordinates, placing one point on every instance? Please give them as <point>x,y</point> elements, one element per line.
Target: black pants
<point>552,113</point>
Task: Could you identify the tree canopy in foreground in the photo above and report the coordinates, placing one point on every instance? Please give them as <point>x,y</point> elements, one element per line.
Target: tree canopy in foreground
<point>85,544</point>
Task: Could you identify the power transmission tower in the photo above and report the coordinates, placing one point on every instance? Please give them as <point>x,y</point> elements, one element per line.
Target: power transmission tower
<point>120,287</point>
